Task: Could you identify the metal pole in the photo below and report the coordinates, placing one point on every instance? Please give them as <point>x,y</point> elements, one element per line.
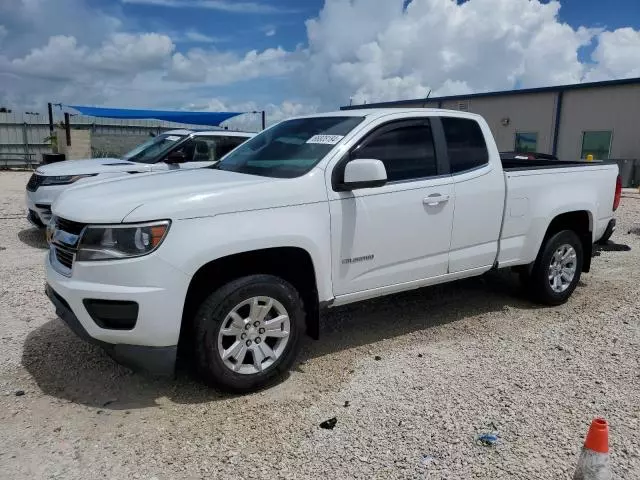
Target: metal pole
<point>264,119</point>
<point>50,110</point>
<point>67,128</point>
<point>25,139</point>
<point>556,126</point>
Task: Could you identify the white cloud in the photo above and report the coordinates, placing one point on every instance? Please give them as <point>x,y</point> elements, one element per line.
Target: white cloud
<point>270,32</point>
<point>232,6</point>
<point>378,50</point>
<point>616,55</point>
<point>222,68</point>
<point>129,53</point>
<point>197,37</point>
<point>61,58</point>
<point>121,53</point>
<point>31,23</point>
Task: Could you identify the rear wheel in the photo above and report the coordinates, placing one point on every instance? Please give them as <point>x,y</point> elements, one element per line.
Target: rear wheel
<point>557,269</point>
<point>248,332</point>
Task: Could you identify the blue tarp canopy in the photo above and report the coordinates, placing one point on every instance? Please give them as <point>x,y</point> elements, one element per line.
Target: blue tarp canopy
<point>192,118</point>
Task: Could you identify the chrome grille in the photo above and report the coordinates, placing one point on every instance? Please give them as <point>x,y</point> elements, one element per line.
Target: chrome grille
<point>64,244</point>
<point>69,226</point>
<point>65,257</point>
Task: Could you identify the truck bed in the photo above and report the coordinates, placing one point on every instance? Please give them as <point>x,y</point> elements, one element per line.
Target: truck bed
<point>513,164</point>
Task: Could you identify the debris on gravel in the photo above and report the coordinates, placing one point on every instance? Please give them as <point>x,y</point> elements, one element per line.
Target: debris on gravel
<point>487,439</point>
<point>329,424</point>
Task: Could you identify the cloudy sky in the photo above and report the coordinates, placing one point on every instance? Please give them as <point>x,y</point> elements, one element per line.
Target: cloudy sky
<point>296,56</point>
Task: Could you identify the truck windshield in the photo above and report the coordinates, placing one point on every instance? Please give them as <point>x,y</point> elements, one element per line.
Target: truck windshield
<point>153,149</point>
<point>290,149</point>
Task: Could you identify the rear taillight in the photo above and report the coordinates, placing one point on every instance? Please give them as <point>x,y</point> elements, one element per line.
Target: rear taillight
<point>618,194</point>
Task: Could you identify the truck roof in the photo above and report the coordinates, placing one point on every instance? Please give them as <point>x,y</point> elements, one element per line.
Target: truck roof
<point>211,133</point>
<point>373,113</point>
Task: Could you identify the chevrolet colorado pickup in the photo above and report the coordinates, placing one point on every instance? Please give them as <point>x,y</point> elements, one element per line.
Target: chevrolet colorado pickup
<point>175,149</point>
<point>236,261</point>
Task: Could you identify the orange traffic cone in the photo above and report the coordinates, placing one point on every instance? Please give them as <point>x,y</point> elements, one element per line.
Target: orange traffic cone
<point>593,463</point>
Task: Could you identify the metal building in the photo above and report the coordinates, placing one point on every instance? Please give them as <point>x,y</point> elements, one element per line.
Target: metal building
<point>570,121</point>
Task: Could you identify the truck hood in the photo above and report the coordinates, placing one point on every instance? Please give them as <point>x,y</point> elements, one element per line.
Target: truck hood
<point>89,166</point>
<point>177,195</point>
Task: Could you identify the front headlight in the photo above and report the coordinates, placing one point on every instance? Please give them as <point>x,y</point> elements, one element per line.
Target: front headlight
<point>64,179</point>
<point>111,242</point>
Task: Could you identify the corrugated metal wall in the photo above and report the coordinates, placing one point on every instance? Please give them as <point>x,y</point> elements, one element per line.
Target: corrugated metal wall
<point>23,137</point>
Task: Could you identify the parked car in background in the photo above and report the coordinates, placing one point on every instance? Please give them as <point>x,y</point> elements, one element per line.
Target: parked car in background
<point>235,261</point>
<point>172,150</point>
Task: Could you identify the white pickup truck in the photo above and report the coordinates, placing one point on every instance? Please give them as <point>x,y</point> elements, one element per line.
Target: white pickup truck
<point>175,149</point>
<point>236,261</point>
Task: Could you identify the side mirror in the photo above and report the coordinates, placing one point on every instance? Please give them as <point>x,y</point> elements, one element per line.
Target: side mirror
<point>364,173</point>
<point>176,157</point>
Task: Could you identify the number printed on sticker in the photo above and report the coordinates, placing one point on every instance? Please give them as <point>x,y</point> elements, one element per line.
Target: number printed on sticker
<point>326,139</point>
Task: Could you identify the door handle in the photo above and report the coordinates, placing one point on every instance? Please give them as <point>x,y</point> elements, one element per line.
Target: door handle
<point>435,199</point>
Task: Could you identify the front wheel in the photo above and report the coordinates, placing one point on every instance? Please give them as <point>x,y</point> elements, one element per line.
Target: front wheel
<point>557,269</point>
<point>248,332</point>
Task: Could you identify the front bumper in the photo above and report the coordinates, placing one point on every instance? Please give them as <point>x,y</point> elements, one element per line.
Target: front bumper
<point>152,342</point>
<point>155,360</point>
<point>39,203</point>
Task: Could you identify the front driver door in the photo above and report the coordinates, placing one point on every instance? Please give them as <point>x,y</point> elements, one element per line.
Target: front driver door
<point>399,232</point>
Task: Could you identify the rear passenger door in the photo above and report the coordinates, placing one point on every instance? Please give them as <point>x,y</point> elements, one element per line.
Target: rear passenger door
<point>399,232</point>
<point>479,196</point>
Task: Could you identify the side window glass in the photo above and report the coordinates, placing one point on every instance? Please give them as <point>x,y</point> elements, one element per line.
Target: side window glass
<point>205,149</point>
<point>187,148</point>
<point>226,144</point>
<point>526,142</point>
<point>199,149</point>
<point>407,152</point>
<point>465,144</point>
<point>597,144</point>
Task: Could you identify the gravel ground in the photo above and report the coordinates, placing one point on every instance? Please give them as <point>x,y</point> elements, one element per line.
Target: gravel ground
<point>413,379</point>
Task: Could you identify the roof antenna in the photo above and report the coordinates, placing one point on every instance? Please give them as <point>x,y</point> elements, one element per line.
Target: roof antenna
<point>426,98</point>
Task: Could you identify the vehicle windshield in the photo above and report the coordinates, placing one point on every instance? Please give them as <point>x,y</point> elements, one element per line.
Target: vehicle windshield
<point>289,149</point>
<point>153,149</point>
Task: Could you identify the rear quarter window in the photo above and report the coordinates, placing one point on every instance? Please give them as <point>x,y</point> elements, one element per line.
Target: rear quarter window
<point>465,144</point>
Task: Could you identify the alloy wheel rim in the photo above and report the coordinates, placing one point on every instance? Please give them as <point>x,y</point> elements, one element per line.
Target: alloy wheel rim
<point>254,335</point>
<point>562,269</point>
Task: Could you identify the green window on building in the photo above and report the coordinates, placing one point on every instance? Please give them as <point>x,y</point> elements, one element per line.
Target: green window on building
<point>526,142</point>
<point>597,144</point>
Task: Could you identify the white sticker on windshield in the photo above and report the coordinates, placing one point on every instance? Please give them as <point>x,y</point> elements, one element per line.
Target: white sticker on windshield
<point>326,139</point>
<point>173,138</point>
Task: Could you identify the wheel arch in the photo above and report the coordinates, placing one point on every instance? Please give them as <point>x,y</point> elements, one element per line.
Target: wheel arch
<point>579,221</point>
<point>293,264</point>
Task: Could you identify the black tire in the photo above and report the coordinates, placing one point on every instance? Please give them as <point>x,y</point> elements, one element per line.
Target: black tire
<point>209,320</point>
<point>537,282</point>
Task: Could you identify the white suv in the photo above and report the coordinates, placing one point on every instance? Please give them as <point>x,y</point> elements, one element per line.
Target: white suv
<point>175,149</point>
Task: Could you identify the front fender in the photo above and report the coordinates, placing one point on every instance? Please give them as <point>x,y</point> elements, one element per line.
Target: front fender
<point>192,243</point>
